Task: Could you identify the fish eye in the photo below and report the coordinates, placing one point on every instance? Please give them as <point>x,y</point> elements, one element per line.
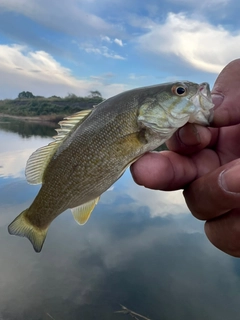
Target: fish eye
<point>179,91</point>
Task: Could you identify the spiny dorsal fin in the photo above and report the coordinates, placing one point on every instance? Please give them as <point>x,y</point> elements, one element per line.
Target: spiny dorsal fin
<point>69,123</point>
<point>39,160</point>
<point>82,213</point>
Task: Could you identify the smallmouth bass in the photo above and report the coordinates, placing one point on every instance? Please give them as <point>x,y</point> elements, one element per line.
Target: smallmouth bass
<point>93,148</point>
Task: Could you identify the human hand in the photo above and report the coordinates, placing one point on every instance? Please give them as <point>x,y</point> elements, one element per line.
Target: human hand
<point>205,162</point>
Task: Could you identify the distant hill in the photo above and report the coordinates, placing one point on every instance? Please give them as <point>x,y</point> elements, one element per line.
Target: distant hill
<point>28,105</point>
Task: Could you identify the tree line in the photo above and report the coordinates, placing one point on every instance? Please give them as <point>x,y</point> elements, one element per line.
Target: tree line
<point>30,95</point>
<point>29,105</point>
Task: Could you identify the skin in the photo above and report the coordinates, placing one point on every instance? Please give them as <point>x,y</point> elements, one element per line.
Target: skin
<point>205,163</point>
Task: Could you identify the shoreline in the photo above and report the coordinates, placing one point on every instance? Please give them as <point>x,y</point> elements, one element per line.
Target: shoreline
<point>43,118</point>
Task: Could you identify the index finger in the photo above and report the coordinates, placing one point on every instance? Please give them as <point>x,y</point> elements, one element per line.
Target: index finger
<point>192,138</point>
<point>168,170</point>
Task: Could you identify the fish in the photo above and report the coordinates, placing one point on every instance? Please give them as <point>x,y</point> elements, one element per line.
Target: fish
<point>93,148</point>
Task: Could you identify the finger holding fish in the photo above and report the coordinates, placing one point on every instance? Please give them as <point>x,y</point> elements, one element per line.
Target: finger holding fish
<point>192,138</point>
<point>170,171</point>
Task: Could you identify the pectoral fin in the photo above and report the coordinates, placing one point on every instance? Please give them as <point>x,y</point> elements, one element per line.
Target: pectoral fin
<point>82,213</point>
<point>39,160</point>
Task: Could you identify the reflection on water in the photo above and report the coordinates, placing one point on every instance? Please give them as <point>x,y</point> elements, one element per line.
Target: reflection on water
<point>28,129</point>
<point>141,249</point>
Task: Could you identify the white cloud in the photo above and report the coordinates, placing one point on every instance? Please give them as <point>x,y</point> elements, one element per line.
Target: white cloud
<point>133,76</point>
<point>118,42</point>
<point>12,163</point>
<point>159,203</point>
<point>102,50</point>
<point>199,43</point>
<point>106,38</point>
<point>38,72</point>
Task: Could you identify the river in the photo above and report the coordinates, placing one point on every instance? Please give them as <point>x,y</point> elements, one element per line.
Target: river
<point>140,248</point>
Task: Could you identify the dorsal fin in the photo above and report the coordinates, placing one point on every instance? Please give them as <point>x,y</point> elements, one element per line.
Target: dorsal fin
<point>39,160</point>
<point>69,123</point>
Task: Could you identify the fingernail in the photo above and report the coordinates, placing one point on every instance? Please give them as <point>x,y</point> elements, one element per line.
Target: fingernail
<point>229,179</point>
<point>189,135</point>
<point>217,99</point>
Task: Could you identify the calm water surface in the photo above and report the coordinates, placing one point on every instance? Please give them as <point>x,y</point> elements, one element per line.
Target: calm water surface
<point>140,248</point>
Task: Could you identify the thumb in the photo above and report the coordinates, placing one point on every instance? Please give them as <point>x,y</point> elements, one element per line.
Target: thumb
<point>226,96</point>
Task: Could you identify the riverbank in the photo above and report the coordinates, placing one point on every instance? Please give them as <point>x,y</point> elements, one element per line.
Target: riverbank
<point>43,118</point>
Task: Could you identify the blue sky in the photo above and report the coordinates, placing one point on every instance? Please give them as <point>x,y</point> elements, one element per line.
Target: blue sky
<point>74,46</point>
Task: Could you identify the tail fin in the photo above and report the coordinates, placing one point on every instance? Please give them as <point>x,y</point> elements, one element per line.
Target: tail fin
<point>23,228</point>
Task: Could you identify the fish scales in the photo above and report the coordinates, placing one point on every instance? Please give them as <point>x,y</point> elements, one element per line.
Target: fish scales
<point>97,149</point>
<point>84,163</point>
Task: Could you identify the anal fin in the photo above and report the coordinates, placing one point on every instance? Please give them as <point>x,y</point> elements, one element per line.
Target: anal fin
<point>82,213</point>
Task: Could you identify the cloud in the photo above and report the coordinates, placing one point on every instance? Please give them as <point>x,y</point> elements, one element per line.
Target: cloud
<point>40,73</point>
<point>118,42</point>
<point>133,76</point>
<point>199,43</point>
<point>106,38</point>
<point>159,203</point>
<point>12,164</point>
<point>138,199</point>
<point>102,50</point>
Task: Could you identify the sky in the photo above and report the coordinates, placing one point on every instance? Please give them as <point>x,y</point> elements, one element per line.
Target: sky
<point>75,46</point>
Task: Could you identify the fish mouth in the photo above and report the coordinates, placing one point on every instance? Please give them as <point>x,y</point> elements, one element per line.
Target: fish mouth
<point>204,90</point>
<point>202,101</point>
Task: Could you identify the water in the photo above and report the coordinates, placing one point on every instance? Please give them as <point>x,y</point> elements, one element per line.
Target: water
<point>140,248</point>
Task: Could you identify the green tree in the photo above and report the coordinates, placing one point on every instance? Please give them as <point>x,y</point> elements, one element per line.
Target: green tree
<point>25,95</point>
<point>71,96</point>
<point>95,94</point>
